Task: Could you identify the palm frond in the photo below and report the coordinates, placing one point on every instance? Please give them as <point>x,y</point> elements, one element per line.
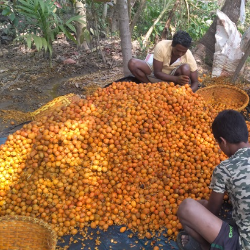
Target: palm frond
<point>71,27</point>
<point>38,42</point>
<point>75,18</point>
<point>42,6</point>
<point>43,23</point>
<point>44,44</point>
<point>28,41</point>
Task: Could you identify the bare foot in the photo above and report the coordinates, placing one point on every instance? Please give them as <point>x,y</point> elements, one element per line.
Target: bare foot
<point>184,240</point>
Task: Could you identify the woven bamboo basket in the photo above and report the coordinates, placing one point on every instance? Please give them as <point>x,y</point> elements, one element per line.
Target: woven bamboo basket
<point>26,233</point>
<point>224,97</point>
<point>48,108</point>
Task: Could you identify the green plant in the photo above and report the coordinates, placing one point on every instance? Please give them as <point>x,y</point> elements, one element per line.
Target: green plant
<point>149,14</point>
<point>198,19</point>
<point>201,17</point>
<point>43,24</point>
<point>7,10</point>
<point>193,16</point>
<point>11,20</point>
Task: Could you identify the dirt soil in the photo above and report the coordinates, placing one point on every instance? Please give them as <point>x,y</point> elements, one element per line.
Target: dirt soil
<point>27,82</point>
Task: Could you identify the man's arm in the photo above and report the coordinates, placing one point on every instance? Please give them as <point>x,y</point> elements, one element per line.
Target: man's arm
<point>181,80</point>
<point>194,80</point>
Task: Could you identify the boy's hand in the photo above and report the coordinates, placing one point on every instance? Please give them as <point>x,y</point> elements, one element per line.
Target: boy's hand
<point>182,80</point>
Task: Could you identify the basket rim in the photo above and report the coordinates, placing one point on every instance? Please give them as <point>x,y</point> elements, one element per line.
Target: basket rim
<point>221,86</point>
<point>33,220</point>
<point>201,90</point>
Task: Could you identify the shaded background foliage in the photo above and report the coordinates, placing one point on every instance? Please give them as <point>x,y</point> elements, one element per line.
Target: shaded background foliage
<point>102,18</point>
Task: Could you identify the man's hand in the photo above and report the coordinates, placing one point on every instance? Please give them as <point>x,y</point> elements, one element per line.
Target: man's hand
<point>182,79</point>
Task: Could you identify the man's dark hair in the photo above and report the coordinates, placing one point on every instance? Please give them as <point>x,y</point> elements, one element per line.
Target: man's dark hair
<point>230,125</point>
<point>183,38</point>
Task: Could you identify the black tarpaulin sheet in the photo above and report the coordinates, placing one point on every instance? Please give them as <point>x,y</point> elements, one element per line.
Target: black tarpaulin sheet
<point>113,239</point>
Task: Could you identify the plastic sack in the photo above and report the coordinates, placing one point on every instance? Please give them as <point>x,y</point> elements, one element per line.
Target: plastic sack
<point>149,58</point>
<point>227,47</point>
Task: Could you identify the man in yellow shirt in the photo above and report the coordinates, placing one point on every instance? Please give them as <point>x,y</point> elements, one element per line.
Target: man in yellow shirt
<point>172,62</point>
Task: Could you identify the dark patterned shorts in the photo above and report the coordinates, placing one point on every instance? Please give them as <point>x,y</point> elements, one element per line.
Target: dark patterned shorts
<point>228,238</point>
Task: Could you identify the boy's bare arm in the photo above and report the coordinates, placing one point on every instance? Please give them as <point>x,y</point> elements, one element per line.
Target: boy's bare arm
<point>214,203</point>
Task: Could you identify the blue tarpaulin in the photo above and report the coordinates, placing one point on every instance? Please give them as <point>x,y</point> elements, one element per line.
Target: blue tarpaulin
<point>2,140</point>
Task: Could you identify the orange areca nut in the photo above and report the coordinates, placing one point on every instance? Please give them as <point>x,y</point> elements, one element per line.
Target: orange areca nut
<point>127,155</point>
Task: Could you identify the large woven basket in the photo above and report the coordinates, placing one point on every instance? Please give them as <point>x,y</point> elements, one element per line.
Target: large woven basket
<point>224,97</point>
<point>26,233</point>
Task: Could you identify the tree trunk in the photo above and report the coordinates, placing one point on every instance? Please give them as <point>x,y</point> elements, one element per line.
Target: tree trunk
<point>125,34</point>
<point>145,40</point>
<point>115,18</point>
<point>232,9</point>
<point>165,31</point>
<point>220,2</point>
<point>104,12</point>
<point>137,15</point>
<point>81,10</point>
<point>242,62</point>
<point>129,10</point>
